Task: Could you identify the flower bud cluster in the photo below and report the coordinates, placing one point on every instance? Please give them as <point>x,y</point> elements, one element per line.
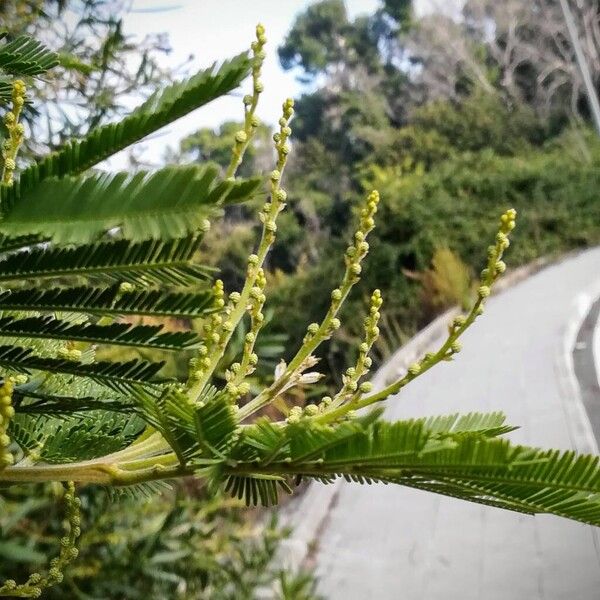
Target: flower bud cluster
<point>126,288</point>
<point>359,248</point>
<point>203,367</point>
<point>68,352</point>
<point>214,333</point>
<point>258,57</point>
<point>353,374</point>
<point>251,121</point>
<point>297,413</point>
<point>7,412</point>
<point>496,266</point>
<point>36,582</point>
<point>68,548</point>
<point>353,257</point>
<point>238,371</point>
<point>271,209</point>
<point>455,329</point>
<point>15,130</point>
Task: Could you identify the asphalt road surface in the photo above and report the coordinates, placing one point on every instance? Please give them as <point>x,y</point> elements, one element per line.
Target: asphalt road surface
<point>386,542</point>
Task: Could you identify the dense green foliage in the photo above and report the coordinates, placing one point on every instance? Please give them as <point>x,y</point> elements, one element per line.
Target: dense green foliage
<point>452,206</point>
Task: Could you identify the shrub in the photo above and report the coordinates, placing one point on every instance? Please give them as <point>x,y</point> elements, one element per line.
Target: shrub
<point>174,545</point>
<point>447,282</point>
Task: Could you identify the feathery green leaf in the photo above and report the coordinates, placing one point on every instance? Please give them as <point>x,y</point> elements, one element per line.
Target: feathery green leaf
<point>119,334</point>
<point>160,109</point>
<point>109,301</point>
<point>150,262</point>
<point>26,56</point>
<point>163,204</point>
<point>114,374</point>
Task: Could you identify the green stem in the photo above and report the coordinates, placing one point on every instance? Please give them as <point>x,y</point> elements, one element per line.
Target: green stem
<point>354,257</point>
<point>489,276</point>
<point>154,444</point>
<point>164,460</point>
<point>267,238</point>
<point>426,364</point>
<point>98,473</point>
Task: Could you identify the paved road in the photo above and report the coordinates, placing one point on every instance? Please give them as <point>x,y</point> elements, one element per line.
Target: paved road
<point>388,542</point>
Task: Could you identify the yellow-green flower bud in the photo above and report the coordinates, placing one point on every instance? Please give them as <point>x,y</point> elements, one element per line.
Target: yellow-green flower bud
<point>75,355</point>
<point>126,287</point>
<point>313,328</point>
<point>459,321</point>
<point>483,291</point>
<point>414,369</point>
<point>311,410</point>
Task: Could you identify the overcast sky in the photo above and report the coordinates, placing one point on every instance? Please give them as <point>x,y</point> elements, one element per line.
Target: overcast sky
<point>215,29</point>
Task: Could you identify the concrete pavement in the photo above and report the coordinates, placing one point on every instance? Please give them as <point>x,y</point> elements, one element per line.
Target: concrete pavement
<point>387,542</point>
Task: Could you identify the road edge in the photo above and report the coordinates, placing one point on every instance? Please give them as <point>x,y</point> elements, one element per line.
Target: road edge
<point>581,432</point>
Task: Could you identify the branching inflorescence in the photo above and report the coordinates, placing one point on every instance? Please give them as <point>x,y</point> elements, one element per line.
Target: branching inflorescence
<point>15,130</point>
<point>66,416</point>
<point>38,582</point>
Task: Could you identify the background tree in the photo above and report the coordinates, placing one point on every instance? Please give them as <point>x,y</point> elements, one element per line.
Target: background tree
<point>102,71</point>
<point>518,49</point>
<point>458,102</point>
